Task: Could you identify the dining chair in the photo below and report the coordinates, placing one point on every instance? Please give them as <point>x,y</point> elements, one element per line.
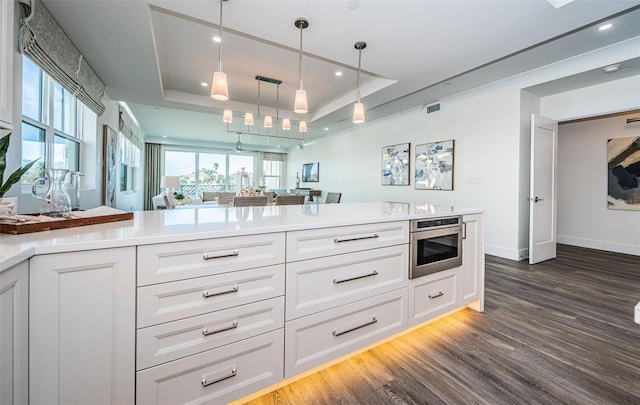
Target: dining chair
<point>269,195</point>
<point>290,199</point>
<point>333,198</point>
<point>226,198</point>
<point>241,201</point>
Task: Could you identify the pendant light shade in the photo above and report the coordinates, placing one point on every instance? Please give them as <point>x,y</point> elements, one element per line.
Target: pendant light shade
<point>301,105</point>
<point>358,107</point>
<point>358,113</point>
<point>248,119</point>
<point>302,126</point>
<point>227,116</point>
<point>268,121</point>
<point>286,124</point>
<point>219,84</point>
<point>220,87</point>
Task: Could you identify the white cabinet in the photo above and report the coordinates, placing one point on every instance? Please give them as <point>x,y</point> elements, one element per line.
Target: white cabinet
<point>316,339</point>
<point>473,261</point>
<point>309,244</point>
<point>82,327</point>
<point>14,318</point>
<point>7,49</point>
<point>210,319</point>
<point>434,295</point>
<point>346,288</point>
<point>318,284</point>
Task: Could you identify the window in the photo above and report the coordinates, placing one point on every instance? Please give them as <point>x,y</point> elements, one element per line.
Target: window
<point>129,162</point>
<point>206,171</point>
<point>51,122</point>
<point>272,167</point>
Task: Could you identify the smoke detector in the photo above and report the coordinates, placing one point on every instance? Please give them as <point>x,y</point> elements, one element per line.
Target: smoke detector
<point>611,68</point>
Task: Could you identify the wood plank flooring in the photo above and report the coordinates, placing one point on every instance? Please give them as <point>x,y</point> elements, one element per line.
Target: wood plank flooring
<point>559,332</point>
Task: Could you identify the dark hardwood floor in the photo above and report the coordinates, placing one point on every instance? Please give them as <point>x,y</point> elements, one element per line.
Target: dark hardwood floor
<point>559,332</point>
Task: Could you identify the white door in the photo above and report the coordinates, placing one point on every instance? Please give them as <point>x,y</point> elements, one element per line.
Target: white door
<point>543,187</point>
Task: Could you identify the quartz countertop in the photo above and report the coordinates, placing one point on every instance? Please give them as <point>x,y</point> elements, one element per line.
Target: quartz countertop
<point>161,226</point>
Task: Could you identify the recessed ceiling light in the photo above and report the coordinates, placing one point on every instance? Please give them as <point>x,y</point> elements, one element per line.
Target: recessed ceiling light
<point>164,136</point>
<point>338,73</point>
<point>611,68</point>
<point>605,27</point>
<point>326,129</point>
<point>353,4</point>
<point>204,84</point>
<point>216,39</point>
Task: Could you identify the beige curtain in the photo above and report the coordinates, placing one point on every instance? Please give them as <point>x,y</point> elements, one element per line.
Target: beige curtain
<point>153,168</point>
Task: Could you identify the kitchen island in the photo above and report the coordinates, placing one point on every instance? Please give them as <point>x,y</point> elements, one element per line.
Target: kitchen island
<point>197,304</point>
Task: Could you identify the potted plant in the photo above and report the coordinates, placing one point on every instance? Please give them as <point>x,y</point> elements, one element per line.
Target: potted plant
<point>5,185</point>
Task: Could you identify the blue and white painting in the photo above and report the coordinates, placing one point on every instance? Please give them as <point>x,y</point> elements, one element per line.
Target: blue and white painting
<point>434,166</point>
<point>395,165</point>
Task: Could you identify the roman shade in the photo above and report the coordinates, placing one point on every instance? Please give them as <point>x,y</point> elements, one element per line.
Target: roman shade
<point>43,41</point>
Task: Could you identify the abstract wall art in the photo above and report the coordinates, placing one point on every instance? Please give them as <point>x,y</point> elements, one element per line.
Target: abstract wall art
<point>623,173</point>
<point>434,166</point>
<point>395,165</point>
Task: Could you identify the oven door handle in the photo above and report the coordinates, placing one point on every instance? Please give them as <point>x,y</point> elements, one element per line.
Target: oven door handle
<point>464,230</point>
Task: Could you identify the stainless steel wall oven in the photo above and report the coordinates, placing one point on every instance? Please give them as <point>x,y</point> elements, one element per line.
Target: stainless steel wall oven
<point>436,245</point>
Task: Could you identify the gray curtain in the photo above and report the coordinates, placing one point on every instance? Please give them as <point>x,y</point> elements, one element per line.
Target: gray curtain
<point>153,168</point>
<point>43,41</point>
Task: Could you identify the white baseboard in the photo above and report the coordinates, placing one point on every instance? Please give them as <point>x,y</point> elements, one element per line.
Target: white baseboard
<point>600,245</point>
<point>502,252</point>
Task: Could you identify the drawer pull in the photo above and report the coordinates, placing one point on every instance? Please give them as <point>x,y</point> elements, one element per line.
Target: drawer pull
<point>207,332</point>
<point>205,382</point>
<point>207,294</point>
<point>439,294</point>
<point>342,332</point>
<point>208,256</point>
<point>340,240</point>
<point>336,281</point>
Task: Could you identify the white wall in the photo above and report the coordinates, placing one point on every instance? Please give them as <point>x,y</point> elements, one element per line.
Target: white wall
<point>583,217</point>
<point>490,129</point>
<point>484,175</point>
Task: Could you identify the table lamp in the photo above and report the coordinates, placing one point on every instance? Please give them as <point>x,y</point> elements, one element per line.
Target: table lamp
<point>169,182</point>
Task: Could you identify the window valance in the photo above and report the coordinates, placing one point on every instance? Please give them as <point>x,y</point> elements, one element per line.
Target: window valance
<point>130,128</point>
<point>43,41</point>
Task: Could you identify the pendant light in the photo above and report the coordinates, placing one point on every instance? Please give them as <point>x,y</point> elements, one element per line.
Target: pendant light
<point>227,116</point>
<point>219,84</point>
<point>268,121</point>
<point>248,119</point>
<point>286,124</point>
<point>302,126</point>
<point>300,105</point>
<point>358,107</point>
<point>238,144</point>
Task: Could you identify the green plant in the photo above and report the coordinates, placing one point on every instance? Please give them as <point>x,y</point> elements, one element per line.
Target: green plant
<point>178,196</point>
<point>15,176</point>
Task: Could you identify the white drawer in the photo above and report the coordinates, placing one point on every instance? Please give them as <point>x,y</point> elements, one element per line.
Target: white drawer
<point>434,295</point>
<point>181,260</point>
<point>171,341</point>
<point>181,299</point>
<point>318,284</point>
<point>321,337</point>
<point>309,244</point>
<point>239,369</point>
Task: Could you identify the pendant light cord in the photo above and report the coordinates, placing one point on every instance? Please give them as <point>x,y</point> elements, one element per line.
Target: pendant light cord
<point>300,57</point>
<point>220,46</point>
<point>358,75</point>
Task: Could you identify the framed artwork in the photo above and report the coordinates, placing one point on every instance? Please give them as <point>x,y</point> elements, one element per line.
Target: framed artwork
<point>311,172</point>
<point>395,165</point>
<point>623,173</point>
<point>434,166</point>
<point>110,164</point>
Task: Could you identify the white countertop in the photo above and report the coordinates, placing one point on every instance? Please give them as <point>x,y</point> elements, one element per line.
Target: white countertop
<point>162,226</point>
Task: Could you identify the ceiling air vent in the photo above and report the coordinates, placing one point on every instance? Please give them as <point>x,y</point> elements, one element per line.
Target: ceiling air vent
<point>431,108</point>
